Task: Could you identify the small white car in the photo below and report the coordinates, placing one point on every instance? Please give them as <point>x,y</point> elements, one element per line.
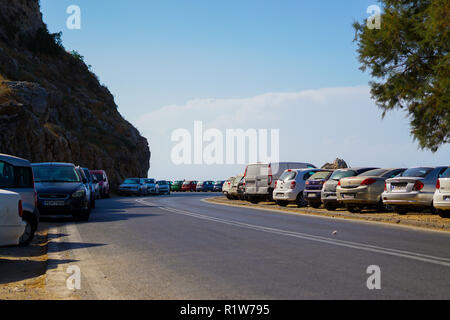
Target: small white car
<point>12,227</point>
<point>289,188</point>
<point>441,199</point>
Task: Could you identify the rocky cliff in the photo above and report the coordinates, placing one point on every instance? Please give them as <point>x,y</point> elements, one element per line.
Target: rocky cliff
<point>53,108</point>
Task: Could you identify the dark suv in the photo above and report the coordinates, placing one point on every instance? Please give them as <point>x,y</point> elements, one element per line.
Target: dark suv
<point>61,190</point>
<point>16,175</point>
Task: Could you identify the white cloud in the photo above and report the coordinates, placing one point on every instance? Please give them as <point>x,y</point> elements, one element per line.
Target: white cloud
<point>315,126</point>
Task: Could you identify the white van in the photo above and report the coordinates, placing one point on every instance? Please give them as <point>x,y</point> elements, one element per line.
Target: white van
<point>12,227</point>
<point>260,178</point>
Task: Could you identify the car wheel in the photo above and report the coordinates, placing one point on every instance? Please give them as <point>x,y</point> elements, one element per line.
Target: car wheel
<point>353,209</point>
<point>282,203</point>
<point>30,230</point>
<point>253,200</point>
<point>301,203</point>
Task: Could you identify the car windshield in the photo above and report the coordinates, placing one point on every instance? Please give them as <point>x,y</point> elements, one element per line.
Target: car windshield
<point>149,181</point>
<point>321,175</point>
<point>55,173</point>
<point>131,181</point>
<point>288,175</point>
<point>374,173</point>
<point>416,172</point>
<point>162,183</point>
<point>339,174</point>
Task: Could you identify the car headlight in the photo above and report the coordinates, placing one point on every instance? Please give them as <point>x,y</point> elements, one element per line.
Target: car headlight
<point>79,194</point>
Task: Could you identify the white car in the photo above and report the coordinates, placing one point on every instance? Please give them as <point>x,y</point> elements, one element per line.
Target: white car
<point>441,199</point>
<point>290,186</point>
<point>12,227</point>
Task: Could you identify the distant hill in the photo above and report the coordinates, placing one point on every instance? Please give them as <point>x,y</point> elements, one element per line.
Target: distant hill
<point>53,108</point>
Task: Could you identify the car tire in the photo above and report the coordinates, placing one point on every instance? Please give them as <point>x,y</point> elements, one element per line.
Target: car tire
<point>443,213</point>
<point>30,229</point>
<point>253,200</point>
<point>301,203</point>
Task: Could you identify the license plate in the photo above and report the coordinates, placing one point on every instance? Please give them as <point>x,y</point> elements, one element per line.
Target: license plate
<point>348,196</point>
<point>280,194</point>
<point>312,195</point>
<point>398,188</point>
<point>54,203</point>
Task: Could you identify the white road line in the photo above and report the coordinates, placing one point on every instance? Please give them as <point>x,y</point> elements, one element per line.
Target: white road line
<point>354,245</point>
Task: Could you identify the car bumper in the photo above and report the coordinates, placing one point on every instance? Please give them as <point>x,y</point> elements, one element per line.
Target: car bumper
<point>360,195</point>
<point>329,197</point>
<point>284,195</point>
<point>70,206</point>
<point>419,199</point>
<point>312,195</point>
<point>10,235</point>
<point>441,201</point>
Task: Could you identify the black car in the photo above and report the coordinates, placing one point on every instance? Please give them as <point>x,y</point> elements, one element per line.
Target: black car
<point>61,190</point>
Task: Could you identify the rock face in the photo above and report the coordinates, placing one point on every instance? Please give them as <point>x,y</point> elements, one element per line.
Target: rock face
<point>337,164</point>
<point>53,108</point>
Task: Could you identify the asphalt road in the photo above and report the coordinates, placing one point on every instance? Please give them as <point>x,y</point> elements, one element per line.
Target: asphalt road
<point>179,247</point>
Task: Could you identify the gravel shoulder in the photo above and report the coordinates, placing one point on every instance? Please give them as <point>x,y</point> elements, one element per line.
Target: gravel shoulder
<point>417,220</point>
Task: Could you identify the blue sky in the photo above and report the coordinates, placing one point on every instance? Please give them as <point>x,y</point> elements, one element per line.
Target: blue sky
<point>154,54</point>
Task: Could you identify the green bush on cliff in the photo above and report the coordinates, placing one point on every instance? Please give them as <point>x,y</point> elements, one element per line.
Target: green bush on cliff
<point>44,42</point>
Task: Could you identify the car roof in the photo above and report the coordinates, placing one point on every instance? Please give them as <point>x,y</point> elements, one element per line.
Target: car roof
<point>62,164</point>
<point>15,161</point>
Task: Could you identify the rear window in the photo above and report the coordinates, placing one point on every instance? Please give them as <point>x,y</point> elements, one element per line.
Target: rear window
<point>417,172</point>
<point>446,173</point>
<point>15,177</point>
<point>374,173</point>
<point>288,175</point>
<point>321,175</point>
<point>339,174</point>
<point>132,181</point>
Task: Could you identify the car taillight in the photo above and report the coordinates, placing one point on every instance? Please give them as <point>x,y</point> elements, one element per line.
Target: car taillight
<point>368,182</point>
<point>418,186</point>
<point>276,184</point>
<point>339,183</point>
<point>385,186</point>
<point>20,209</point>
<point>438,184</point>
<point>270,180</point>
<point>293,184</point>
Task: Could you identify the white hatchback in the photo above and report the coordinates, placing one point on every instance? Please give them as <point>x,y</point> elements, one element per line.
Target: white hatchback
<point>441,199</point>
<point>290,186</point>
<point>12,227</point>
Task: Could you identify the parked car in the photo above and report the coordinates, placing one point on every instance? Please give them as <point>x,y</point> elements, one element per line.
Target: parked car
<point>260,178</point>
<point>95,187</point>
<point>227,187</point>
<point>441,199</point>
<point>151,186</point>
<point>290,186</point>
<point>133,186</point>
<point>16,175</point>
<point>176,186</point>
<point>12,226</point>
<point>189,186</point>
<point>218,186</point>
<point>61,191</point>
<point>89,186</point>
<point>103,182</point>
<point>365,190</point>
<point>328,195</point>
<point>414,189</point>
<point>234,193</point>
<point>205,186</point>
<point>164,187</point>
<point>313,188</point>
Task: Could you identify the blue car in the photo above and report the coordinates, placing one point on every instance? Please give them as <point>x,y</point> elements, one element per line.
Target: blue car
<point>205,186</point>
<point>218,186</point>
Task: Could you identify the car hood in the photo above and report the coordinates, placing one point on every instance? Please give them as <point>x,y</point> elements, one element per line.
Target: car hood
<point>129,185</point>
<point>57,187</point>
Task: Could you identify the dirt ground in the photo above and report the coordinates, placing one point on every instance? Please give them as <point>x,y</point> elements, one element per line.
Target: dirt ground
<point>417,219</point>
<point>22,270</point>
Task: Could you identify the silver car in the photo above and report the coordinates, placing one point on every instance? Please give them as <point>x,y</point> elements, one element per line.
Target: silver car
<point>152,187</point>
<point>329,195</point>
<point>16,175</point>
<point>441,199</point>
<point>227,187</point>
<point>364,191</point>
<point>413,189</point>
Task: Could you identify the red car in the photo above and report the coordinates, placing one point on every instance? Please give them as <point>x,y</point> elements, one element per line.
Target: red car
<point>189,186</point>
<point>103,182</point>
